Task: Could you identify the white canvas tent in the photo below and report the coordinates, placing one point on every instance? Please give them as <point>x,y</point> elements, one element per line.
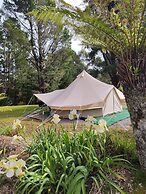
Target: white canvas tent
<point>87,95</point>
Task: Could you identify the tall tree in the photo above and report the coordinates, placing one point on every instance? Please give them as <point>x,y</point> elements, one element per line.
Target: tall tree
<point>101,64</point>
<point>13,56</point>
<point>35,56</point>
<point>48,42</point>
<point>108,66</point>
<point>119,27</point>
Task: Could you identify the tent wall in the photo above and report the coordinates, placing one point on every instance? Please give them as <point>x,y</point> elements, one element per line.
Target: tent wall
<point>83,113</point>
<point>92,112</point>
<point>62,113</point>
<point>112,103</point>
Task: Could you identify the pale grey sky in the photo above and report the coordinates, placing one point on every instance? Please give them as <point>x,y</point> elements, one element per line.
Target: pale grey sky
<point>76,42</point>
<point>1,2</point>
<point>74,2</point>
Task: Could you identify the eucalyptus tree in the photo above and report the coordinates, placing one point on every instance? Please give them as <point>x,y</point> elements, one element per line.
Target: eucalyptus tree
<point>108,65</point>
<point>101,64</point>
<point>47,42</point>
<point>13,56</point>
<point>119,27</point>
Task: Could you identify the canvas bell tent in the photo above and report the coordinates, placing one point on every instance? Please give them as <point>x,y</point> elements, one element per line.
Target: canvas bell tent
<point>87,95</point>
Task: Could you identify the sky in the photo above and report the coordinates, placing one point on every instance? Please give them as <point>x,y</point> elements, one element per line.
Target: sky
<point>1,2</point>
<point>76,43</point>
<point>74,2</point>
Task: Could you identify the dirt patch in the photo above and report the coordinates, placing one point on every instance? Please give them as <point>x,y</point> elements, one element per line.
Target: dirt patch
<point>8,147</point>
<point>124,124</point>
<point>6,184</point>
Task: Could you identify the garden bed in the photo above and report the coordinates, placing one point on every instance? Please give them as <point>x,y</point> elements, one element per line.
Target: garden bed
<point>7,186</point>
<point>132,181</point>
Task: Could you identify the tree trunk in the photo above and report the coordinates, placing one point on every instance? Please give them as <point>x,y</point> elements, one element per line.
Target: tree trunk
<point>110,60</point>
<point>41,82</point>
<point>136,102</point>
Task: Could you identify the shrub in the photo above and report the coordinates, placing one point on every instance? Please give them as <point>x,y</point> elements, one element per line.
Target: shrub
<point>4,101</point>
<point>69,163</point>
<point>123,142</point>
<point>2,95</point>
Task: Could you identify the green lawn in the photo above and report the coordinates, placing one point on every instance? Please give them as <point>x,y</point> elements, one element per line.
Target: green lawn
<point>10,113</point>
<point>13,112</point>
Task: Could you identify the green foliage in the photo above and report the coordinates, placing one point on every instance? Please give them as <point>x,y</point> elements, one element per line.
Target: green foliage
<point>64,69</point>
<point>123,142</point>
<point>119,29</point>
<point>4,100</point>
<point>69,163</point>
<point>2,180</point>
<point>140,181</point>
<point>2,95</point>
<point>34,57</point>
<point>14,65</point>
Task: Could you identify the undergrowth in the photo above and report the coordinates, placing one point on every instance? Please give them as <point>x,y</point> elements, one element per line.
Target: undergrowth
<point>67,163</point>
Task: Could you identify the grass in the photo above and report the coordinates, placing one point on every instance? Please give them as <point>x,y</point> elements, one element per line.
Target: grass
<point>10,113</point>
<point>124,143</point>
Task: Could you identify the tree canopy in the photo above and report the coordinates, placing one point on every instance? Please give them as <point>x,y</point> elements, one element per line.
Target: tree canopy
<point>34,56</point>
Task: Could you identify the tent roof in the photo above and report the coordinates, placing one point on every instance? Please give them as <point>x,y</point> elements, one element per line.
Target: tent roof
<point>84,92</point>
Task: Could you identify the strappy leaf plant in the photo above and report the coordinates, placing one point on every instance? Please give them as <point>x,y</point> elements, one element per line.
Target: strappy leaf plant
<point>69,163</point>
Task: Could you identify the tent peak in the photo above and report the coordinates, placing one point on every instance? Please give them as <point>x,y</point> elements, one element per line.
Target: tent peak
<point>82,74</point>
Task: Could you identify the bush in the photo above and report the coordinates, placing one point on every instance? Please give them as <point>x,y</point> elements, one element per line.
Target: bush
<point>123,142</point>
<point>4,100</point>
<point>2,95</point>
<point>69,163</point>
